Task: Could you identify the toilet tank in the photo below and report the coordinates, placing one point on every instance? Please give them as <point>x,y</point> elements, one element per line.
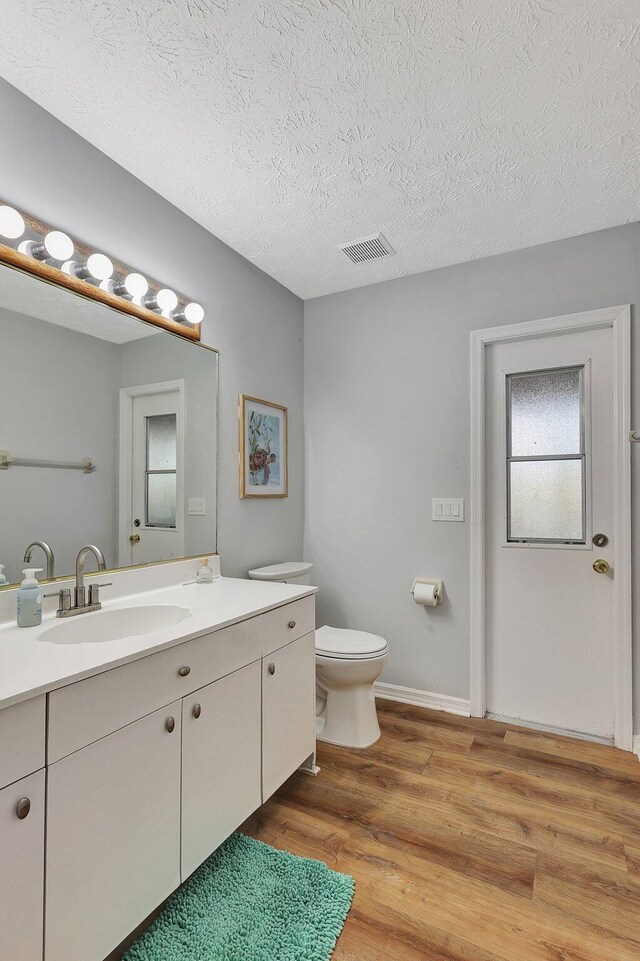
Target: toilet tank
<point>290,572</point>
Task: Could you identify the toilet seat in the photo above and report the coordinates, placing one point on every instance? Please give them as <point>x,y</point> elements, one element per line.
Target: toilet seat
<point>344,644</point>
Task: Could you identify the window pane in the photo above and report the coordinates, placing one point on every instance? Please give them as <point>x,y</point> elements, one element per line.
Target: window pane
<point>161,500</point>
<point>546,500</point>
<point>546,413</point>
<point>161,442</point>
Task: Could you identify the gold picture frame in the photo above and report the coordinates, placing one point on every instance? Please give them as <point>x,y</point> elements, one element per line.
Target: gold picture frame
<point>263,438</point>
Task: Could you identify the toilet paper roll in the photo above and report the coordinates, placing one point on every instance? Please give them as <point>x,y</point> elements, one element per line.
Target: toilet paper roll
<point>425,594</point>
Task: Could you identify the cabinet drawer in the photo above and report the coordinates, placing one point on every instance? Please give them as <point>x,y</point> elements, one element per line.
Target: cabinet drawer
<point>81,713</point>
<point>289,622</point>
<point>22,737</point>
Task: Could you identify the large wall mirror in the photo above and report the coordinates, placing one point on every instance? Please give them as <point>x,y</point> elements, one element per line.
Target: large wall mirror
<point>108,433</point>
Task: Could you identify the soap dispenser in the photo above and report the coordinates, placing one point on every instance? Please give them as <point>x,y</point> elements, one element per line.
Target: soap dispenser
<point>3,579</point>
<point>30,599</point>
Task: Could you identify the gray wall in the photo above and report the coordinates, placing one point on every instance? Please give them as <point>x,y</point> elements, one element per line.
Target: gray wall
<point>39,418</point>
<point>387,429</point>
<point>255,322</point>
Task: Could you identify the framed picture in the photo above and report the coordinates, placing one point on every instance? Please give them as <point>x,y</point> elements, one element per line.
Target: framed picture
<point>264,470</point>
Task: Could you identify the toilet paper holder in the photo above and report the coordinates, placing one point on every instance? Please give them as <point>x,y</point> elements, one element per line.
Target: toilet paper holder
<point>438,585</point>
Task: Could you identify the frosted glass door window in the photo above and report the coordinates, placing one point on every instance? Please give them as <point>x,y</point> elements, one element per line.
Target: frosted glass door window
<point>161,476</point>
<point>546,456</point>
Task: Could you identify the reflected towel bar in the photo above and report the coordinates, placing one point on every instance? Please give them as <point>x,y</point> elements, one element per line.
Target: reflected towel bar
<point>86,465</point>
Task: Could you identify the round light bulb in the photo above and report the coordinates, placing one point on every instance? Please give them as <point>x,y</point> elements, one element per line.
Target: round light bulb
<point>136,285</point>
<point>166,300</point>
<point>57,245</point>
<point>11,223</point>
<point>193,313</point>
<point>99,266</point>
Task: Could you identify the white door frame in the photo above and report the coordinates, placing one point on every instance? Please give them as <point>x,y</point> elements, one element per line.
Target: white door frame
<point>126,429</point>
<point>619,320</point>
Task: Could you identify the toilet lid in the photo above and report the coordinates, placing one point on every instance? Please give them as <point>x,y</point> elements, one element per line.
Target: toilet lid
<point>280,572</point>
<point>339,642</point>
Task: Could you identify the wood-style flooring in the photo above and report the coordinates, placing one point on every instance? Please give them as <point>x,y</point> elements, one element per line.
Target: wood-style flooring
<point>471,840</point>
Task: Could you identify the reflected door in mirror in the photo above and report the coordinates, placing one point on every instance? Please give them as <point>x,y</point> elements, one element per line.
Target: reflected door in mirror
<point>152,491</point>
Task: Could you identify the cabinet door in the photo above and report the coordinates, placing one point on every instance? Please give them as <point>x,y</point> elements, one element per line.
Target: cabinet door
<point>220,762</point>
<point>22,869</point>
<point>288,711</point>
<point>113,836</point>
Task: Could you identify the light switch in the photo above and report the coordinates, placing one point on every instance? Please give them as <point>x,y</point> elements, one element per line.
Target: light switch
<point>447,509</point>
<point>197,506</point>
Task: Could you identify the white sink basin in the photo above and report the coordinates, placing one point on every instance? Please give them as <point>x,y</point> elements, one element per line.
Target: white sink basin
<point>102,626</point>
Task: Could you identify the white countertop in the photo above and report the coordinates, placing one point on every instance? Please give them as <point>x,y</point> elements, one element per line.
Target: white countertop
<point>31,665</point>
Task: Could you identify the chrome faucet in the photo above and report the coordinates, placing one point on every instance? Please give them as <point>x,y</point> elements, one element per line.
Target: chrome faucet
<point>80,603</point>
<point>79,594</point>
<point>48,553</point>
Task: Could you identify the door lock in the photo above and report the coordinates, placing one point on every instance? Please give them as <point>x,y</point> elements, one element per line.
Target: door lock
<point>600,540</point>
<point>601,566</point>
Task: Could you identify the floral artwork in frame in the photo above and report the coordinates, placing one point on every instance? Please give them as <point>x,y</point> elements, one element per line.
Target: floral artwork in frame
<point>263,448</point>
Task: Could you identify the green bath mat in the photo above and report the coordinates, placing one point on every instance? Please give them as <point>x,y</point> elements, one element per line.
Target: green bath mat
<point>249,902</point>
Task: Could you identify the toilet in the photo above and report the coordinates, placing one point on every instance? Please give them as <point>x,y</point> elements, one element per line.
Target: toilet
<point>347,665</point>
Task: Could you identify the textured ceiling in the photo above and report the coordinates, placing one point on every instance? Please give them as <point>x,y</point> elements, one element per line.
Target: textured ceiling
<point>459,128</point>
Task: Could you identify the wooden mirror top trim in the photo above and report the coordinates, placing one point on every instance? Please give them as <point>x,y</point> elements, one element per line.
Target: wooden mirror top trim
<point>18,261</point>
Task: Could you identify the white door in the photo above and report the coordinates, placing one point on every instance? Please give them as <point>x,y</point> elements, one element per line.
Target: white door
<point>113,836</point>
<point>288,711</point>
<point>221,757</point>
<point>22,871</point>
<point>550,637</point>
<point>153,528</point>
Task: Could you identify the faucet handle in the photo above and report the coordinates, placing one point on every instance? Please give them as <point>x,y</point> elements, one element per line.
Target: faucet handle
<point>64,599</point>
<point>94,592</point>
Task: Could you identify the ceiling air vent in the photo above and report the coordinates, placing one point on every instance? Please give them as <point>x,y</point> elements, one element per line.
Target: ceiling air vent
<point>367,248</point>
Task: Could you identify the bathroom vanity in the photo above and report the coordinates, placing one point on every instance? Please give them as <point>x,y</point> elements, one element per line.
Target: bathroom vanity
<point>134,740</point>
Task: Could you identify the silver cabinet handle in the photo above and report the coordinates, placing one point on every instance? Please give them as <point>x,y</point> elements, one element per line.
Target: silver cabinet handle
<point>272,668</point>
<point>184,671</point>
<point>22,808</point>
<point>292,624</point>
<point>197,711</point>
<point>170,724</point>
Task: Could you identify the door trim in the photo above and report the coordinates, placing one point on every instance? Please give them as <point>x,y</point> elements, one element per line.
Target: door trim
<point>619,320</point>
<point>125,455</point>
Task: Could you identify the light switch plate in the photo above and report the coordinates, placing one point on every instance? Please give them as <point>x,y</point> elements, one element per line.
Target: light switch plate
<point>197,506</point>
<point>447,509</point>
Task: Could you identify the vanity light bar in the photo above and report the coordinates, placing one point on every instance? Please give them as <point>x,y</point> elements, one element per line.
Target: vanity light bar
<point>56,249</point>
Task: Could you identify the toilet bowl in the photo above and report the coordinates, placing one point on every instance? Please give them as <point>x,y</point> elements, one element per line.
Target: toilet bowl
<point>347,665</point>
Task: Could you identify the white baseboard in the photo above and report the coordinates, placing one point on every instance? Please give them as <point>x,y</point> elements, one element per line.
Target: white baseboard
<point>636,744</point>
<point>410,695</point>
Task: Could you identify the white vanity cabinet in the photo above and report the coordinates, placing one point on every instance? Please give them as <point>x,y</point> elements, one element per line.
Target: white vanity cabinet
<point>221,755</point>
<point>22,869</point>
<point>113,836</point>
<point>150,766</point>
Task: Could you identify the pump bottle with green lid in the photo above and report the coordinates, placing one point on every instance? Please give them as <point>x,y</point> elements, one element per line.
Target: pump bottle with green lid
<point>30,599</point>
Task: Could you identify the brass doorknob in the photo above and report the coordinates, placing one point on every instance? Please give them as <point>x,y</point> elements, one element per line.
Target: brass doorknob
<point>134,538</point>
<point>600,566</point>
